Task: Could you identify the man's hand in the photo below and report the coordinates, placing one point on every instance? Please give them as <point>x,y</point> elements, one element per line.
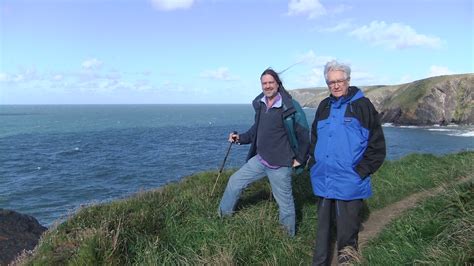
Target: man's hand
<point>233,137</point>
<point>296,163</point>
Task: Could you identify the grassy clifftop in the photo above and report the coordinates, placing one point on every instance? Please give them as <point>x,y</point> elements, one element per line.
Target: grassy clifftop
<point>178,224</point>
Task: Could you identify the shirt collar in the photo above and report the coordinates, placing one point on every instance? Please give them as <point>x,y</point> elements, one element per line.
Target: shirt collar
<point>277,103</point>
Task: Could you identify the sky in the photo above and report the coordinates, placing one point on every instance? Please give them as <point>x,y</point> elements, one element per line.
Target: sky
<point>213,51</point>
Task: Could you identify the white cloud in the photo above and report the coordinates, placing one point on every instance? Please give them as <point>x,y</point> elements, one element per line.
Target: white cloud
<point>92,63</point>
<point>143,85</point>
<point>341,9</point>
<point>362,78</point>
<point>221,73</point>
<point>405,79</point>
<point>439,71</point>
<point>395,36</point>
<point>19,78</point>
<point>312,59</point>
<point>312,77</point>
<point>58,77</point>
<point>316,78</point>
<point>23,75</point>
<point>167,5</point>
<point>345,25</point>
<point>4,77</point>
<point>113,75</point>
<point>87,79</point>
<point>311,8</point>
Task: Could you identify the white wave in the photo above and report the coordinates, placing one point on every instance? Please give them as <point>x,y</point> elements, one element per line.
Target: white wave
<point>387,125</point>
<point>411,127</point>
<point>440,129</point>
<point>463,134</point>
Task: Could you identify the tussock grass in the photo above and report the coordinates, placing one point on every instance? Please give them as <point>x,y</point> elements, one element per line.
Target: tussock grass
<point>178,224</point>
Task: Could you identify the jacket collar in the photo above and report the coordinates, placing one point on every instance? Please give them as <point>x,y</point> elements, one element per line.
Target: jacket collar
<point>285,97</point>
<point>277,104</point>
<point>353,94</point>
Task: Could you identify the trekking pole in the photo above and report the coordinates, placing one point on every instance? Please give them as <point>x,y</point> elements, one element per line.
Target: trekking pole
<point>223,163</point>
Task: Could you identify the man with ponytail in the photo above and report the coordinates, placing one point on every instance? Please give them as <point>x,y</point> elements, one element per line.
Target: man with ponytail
<point>279,141</point>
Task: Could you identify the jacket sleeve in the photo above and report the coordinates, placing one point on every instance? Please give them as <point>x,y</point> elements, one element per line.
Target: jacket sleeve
<point>313,140</point>
<point>302,135</point>
<point>375,153</point>
<point>249,136</point>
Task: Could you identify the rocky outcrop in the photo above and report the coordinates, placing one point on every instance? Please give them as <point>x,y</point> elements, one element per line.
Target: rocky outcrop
<point>437,100</point>
<point>18,232</point>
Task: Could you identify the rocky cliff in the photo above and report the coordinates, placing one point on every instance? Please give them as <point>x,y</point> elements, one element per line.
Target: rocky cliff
<point>18,232</point>
<point>437,100</point>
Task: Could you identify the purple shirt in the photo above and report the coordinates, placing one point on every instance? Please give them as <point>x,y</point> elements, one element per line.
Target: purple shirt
<point>276,104</point>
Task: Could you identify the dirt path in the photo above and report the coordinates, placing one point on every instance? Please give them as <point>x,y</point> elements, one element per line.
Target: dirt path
<point>381,218</point>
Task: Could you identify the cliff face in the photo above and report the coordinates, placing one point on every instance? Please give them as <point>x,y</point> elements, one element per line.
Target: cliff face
<point>436,100</point>
<point>18,232</point>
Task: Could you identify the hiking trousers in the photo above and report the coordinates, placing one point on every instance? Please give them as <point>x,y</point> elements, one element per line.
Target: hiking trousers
<point>345,217</point>
<point>280,181</point>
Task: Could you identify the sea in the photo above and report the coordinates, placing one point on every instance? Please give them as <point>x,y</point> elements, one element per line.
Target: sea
<point>55,159</point>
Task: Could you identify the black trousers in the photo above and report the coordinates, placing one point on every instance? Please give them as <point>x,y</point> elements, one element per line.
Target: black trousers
<point>340,218</point>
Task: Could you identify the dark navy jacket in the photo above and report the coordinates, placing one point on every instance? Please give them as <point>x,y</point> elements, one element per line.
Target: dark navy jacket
<point>347,145</point>
<point>296,126</point>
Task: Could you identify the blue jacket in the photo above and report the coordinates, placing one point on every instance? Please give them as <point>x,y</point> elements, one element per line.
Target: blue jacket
<point>347,145</point>
<point>296,126</point>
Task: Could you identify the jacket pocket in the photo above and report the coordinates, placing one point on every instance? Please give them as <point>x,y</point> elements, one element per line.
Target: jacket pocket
<point>356,141</point>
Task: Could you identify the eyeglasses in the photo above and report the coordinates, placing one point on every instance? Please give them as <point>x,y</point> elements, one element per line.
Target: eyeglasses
<point>334,82</point>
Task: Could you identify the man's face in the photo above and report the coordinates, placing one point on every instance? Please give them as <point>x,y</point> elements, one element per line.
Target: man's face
<point>269,86</point>
<point>338,83</point>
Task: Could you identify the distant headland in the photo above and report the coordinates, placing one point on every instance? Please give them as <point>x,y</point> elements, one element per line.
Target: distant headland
<point>440,100</point>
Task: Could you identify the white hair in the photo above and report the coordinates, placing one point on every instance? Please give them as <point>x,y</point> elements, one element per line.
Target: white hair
<point>336,66</point>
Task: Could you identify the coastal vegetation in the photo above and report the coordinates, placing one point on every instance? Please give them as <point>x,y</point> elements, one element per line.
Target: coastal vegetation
<point>178,224</point>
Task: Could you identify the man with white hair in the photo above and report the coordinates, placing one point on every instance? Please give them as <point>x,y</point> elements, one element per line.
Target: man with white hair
<point>347,146</point>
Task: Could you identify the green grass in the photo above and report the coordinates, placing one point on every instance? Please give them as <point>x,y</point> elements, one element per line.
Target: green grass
<point>439,232</point>
<point>179,224</point>
<point>370,89</point>
<point>398,179</point>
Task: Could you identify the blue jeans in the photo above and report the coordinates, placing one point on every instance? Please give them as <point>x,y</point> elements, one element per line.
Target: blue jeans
<point>280,181</point>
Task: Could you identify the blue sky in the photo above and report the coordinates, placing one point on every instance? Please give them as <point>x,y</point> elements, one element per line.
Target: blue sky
<point>213,51</point>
